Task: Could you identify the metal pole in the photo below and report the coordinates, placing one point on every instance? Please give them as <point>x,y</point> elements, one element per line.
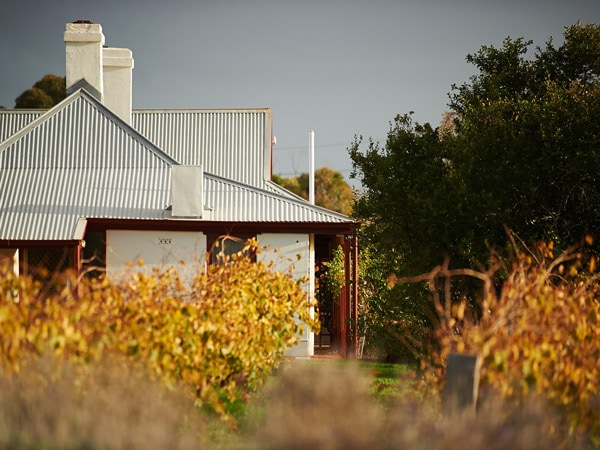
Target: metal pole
<point>311,167</point>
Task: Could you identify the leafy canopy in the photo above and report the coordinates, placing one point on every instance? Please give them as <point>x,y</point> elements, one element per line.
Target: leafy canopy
<point>522,152</point>
<point>520,149</point>
<point>218,335</point>
<point>331,190</point>
<point>45,93</point>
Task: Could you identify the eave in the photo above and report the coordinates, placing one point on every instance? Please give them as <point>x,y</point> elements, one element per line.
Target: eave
<point>223,227</point>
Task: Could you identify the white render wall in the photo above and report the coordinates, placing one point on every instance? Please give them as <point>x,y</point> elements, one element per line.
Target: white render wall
<point>107,69</point>
<point>117,65</point>
<point>157,249</point>
<point>84,42</point>
<point>295,251</point>
<point>162,249</point>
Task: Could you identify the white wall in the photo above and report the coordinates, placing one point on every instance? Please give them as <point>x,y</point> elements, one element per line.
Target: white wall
<point>158,249</point>
<point>295,251</point>
<point>11,254</point>
<point>164,249</point>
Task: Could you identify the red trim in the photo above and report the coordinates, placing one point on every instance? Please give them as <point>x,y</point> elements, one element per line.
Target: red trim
<point>345,302</point>
<point>354,288</point>
<point>4,243</point>
<point>77,257</point>
<point>222,227</point>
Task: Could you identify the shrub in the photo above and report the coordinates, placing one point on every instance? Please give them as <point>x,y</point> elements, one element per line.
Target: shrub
<point>53,404</point>
<point>391,322</point>
<point>540,335</point>
<point>218,337</point>
<point>319,405</point>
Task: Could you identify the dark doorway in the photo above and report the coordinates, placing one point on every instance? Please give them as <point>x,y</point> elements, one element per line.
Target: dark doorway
<point>94,253</point>
<point>329,339</point>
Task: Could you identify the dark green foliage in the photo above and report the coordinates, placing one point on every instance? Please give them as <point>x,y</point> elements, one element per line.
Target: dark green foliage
<point>521,153</point>
<point>54,86</point>
<point>33,98</point>
<point>45,93</point>
<point>406,205</point>
<point>392,321</point>
<point>527,147</point>
<point>330,281</point>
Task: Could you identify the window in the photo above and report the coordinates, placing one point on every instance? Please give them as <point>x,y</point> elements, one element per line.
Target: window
<point>44,262</point>
<point>47,265</point>
<point>224,248</point>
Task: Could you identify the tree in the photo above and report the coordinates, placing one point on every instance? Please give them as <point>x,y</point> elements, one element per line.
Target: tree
<point>520,149</point>
<point>331,190</point>
<point>405,215</point>
<point>524,153</point>
<point>405,206</point>
<point>45,93</point>
<point>291,184</point>
<point>528,139</point>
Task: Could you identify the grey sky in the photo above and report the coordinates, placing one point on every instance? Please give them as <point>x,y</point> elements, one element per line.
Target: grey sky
<point>340,68</point>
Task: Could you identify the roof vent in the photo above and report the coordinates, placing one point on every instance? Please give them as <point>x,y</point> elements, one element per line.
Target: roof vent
<point>186,189</point>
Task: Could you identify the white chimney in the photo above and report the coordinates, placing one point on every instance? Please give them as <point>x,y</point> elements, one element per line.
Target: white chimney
<point>117,67</point>
<point>84,41</point>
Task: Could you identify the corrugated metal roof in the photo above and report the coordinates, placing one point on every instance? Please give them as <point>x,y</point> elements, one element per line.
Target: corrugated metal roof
<point>232,143</point>
<point>47,204</point>
<point>13,120</point>
<point>230,201</point>
<point>79,132</point>
<point>78,160</point>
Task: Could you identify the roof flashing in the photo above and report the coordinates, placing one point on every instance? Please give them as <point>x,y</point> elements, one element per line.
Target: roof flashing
<point>83,84</point>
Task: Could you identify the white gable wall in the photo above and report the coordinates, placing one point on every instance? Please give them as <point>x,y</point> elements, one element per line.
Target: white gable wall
<point>162,249</point>
<point>158,250</point>
<point>295,251</point>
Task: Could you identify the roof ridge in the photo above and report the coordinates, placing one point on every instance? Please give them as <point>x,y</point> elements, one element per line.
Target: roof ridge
<point>82,93</point>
